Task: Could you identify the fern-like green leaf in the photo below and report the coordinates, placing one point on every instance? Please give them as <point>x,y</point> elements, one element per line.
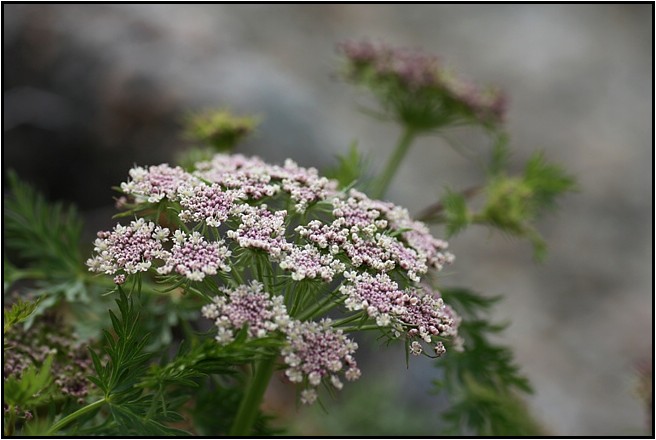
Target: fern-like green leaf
<point>31,389</point>
<point>547,181</point>
<point>44,234</point>
<point>483,382</point>
<point>135,410</point>
<point>455,212</point>
<point>19,312</point>
<point>485,411</point>
<point>351,169</point>
<point>500,155</point>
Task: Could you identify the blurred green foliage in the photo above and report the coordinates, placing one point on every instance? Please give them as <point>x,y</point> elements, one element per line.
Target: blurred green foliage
<point>351,169</point>
<point>482,382</point>
<point>511,204</point>
<point>19,312</point>
<point>369,407</point>
<point>219,129</point>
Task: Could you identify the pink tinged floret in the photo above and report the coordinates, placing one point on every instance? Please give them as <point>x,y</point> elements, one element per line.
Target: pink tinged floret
<point>130,249</point>
<point>194,257</point>
<point>431,248</point>
<point>249,175</point>
<point>359,51</point>
<point>226,163</point>
<point>383,253</point>
<point>379,296</point>
<point>419,238</point>
<point>155,183</point>
<point>408,259</point>
<point>482,102</point>
<point>413,69</point>
<point>261,229</point>
<point>309,262</point>
<point>250,306</point>
<point>370,252</point>
<point>360,211</point>
<point>428,316</point>
<point>417,72</point>
<point>209,204</point>
<point>314,352</point>
<point>257,179</point>
<point>415,348</point>
<point>419,312</point>
<point>439,348</point>
<point>255,184</point>
<point>325,236</point>
<point>304,185</point>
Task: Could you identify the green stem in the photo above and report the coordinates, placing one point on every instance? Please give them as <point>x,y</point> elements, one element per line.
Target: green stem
<point>432,213</point>
<point>360,328</point>
<point>380,188</point>
<point>326,305</point>
<point>299,292</point>
<point>347,320</point>
<point>80,412</point>
<point>250,403</point>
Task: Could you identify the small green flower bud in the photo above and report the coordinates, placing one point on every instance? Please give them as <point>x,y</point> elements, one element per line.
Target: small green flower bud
<point>220,129</point>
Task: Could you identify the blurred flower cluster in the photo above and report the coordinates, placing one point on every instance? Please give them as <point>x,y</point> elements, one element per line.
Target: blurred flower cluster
<point>417,89</point>
<point>26,347</point>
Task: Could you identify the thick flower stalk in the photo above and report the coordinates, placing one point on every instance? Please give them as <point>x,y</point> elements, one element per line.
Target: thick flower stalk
<point>275,249</point>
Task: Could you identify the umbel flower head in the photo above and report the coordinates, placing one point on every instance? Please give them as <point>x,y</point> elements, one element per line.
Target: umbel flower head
<point>416,89</point>
<point>275,248</point>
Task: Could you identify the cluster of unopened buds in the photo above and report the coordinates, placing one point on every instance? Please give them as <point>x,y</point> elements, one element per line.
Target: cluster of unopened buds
<point>340,249</point>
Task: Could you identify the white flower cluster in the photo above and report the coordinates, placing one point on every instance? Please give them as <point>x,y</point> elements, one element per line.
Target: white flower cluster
<point>261,229</point>
<point>155,183</point>
<point>194,257</point>
<point>130,249</point>
<point>316,351</point>
<point>246,306</point>
<point>313,352</point>
<point>309,262</point>
<point>314,238</point>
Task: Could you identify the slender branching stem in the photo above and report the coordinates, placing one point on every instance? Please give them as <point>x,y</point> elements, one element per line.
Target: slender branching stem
<point>80,412</point>
<point>359,328</point>
<point>324,306</point>
<point>347,320</point>
<point>402,147</point>
<point>432,212</point>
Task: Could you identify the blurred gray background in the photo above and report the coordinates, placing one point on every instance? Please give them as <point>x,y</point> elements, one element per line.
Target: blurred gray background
<point>90,90</point>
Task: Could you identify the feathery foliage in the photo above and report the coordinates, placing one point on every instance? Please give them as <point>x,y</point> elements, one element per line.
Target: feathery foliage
<point>44,235</point>
<point>19,312</point>
<point>350,169</point>
<point>483,383</point>
<point>134,411</point>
